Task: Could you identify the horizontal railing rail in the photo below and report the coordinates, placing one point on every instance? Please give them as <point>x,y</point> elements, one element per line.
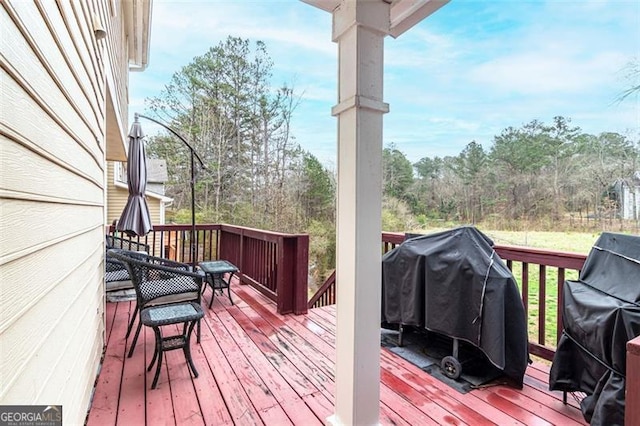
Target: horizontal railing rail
<point>541,288</point>
<point>542,297</point>
<point>274,263</point>
<point>173,242</point>
<point>326,294</point>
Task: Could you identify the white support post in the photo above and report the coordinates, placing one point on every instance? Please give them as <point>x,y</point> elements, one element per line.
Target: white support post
<point>359,28</point>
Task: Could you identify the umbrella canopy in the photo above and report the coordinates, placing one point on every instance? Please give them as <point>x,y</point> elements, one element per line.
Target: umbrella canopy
<point>135,218</point>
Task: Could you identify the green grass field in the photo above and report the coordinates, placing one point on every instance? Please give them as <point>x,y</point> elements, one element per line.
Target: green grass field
<point>577,242</point>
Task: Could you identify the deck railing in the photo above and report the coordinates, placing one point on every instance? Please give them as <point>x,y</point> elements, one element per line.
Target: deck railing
<point>274,263</point>
<point>542,296</point>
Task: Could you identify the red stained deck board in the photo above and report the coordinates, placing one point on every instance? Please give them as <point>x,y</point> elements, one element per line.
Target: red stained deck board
<point>403,408</point>
<point>317,315</point>
<point>390,417</point>
<point>132,388</point>
<point>253,362</point>
<point>300,413</point>
<point>237,287</point>
<point>274,415</point>
<point>292,345</point>
<point>552,402</point>
<point>320,405</point>
<point>443,394</point>
<point>308,323</point>
<point>532,405</point>
<point>252,301</point>
<point>276,385</point>
<point>235,349</point>
<point>183,395</point>
<point>214,410</point>
<point>104,408</point>
<point>159,405</point>
<point>293,371</point>
<point>426,404</point>
<point>235,398</point>
<point>538,371</point>
<point>110,314</point>
<point>543,386</point>
<point>271,383</point>
<point>279,323</point>
<point>290,330</point>
<point>313,339</point>
<point>419,400</point>
<point>509,407</point>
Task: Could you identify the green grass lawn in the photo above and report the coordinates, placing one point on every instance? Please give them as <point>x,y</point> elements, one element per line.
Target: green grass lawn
<point>577,242</point>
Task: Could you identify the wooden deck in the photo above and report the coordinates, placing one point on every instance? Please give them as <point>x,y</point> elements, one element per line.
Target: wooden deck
<point>258,367</point>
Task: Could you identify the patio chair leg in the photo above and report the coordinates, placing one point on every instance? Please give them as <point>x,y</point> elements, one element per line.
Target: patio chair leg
<point>155,356</point>
<point>159,351</point>
<point>213,294</point>
<point>135,339</point>
<point>133,319</point>
<point>187,349</point>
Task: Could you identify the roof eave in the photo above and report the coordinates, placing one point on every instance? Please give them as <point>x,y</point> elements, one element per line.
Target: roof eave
<point>404,13</point>
<point>138,27</point>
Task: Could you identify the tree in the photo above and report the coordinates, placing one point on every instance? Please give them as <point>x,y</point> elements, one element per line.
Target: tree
<point>397,173</point>
<point>224,104</point>
<point>318,190</point>
<point>633,75</point>
<point>606,158</point>
<point>470,167</point>
<point>560,147</point>
<point>425,189</point>
<point>519,156</point>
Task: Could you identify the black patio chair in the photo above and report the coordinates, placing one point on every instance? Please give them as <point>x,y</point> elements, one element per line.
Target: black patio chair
<point>116,275</point>
<point>158,281</point>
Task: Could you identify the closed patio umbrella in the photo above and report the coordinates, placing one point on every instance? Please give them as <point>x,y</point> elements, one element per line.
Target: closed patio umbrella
<point>135,218</point>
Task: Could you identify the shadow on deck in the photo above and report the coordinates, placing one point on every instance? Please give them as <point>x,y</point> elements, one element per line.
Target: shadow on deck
<point>259,367</point>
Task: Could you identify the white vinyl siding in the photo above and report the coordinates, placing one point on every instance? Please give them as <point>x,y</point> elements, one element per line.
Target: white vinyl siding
<point>52,194</point>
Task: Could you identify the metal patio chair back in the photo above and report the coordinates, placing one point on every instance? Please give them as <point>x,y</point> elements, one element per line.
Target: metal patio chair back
<point>116,273</point>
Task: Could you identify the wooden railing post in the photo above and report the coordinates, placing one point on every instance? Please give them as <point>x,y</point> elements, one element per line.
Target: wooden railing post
<point>301,272</point>
<point>632,382</point>
<point>284,303</point>
<point>293,254</point>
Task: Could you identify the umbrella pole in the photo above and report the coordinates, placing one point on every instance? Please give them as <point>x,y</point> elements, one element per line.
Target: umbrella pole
<point>194,239</point>
<point>194,156</point>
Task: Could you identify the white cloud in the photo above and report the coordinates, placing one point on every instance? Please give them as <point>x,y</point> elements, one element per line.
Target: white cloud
<point>547,73</point>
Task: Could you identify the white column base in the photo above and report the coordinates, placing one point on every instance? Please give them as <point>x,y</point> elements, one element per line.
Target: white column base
<point>333,421</point>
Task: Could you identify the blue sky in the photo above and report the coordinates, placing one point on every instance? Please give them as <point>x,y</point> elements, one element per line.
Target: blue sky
<point>465,73</point>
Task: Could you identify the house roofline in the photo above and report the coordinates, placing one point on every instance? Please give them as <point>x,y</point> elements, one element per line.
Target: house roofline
<point>151,194</point>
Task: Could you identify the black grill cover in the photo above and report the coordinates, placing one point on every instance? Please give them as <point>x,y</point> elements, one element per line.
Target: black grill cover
<point>601,312</point>
<point>438,281</point>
